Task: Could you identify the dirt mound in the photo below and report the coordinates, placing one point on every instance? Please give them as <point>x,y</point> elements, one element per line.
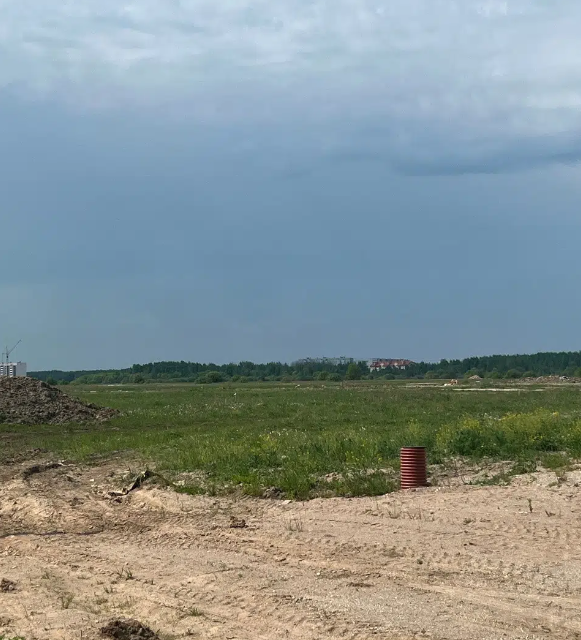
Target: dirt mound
<point>30,401</point>
<point>127,629</point>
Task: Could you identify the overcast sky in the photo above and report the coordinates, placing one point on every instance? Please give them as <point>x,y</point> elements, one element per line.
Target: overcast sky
<point>269,180</point>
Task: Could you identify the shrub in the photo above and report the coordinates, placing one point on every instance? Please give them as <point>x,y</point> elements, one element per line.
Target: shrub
<point>210,377</point>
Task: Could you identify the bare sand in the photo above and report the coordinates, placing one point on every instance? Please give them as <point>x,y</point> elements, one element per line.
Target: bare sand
<point>456,562</point>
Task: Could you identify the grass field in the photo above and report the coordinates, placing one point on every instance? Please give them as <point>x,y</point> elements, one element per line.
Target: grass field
<point>314,439</point>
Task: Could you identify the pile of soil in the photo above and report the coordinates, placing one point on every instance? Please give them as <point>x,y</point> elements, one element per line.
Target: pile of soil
<point>128,629</point>
<point>30,401</point>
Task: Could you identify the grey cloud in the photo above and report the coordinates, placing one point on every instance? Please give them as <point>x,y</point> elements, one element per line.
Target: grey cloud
<point>503,76</point>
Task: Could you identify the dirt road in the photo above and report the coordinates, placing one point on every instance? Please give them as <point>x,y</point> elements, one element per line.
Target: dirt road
<point>460,562</point>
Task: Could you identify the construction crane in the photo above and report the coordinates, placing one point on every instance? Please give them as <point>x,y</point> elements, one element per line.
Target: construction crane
<point>8,351</point>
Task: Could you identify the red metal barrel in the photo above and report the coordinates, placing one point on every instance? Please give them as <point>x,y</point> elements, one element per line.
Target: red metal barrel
<point>413,471</point>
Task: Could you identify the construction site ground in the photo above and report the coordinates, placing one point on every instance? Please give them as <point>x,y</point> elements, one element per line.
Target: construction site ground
<point>457,562</point>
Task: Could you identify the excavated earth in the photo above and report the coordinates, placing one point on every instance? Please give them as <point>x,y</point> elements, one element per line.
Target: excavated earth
<point>30,401</point>
<point>80,557</point>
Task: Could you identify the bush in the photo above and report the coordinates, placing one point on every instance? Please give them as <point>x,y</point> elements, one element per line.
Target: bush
<point>335,377</point>
<point>211,377</point>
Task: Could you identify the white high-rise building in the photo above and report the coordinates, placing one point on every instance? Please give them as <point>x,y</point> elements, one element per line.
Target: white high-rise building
<point>12,369</point>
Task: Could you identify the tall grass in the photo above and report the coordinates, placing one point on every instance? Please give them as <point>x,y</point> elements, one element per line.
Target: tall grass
<point>312,440</point>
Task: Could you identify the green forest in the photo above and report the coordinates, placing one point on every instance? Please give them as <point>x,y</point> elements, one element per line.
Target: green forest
<point>331,369</point>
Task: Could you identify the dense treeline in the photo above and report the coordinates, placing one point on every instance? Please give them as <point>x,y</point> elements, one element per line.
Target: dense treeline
<point>321,369</point>
<point>500,366</point>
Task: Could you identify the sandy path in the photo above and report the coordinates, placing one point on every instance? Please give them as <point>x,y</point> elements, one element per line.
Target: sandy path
<point>456,563</point>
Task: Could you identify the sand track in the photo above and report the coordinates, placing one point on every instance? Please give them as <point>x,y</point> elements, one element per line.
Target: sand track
<point>456,563</point>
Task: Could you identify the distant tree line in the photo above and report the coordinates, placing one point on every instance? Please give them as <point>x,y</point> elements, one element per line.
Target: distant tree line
<point>500,366</point>
<point>304,370</point>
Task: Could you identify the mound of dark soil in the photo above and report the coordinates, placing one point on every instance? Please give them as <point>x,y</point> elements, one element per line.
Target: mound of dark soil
<point>127,629</point>
<point>30,401</point>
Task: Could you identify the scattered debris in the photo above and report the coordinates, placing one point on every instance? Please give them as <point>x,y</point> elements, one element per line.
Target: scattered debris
<point>273,492</point>
<point>7,585</point>
<point>30,401</point>
<point>40,468</point>
<point>138,483</point>
<point>128,629</point>
<point>237,523</point>
<point>549,380</point>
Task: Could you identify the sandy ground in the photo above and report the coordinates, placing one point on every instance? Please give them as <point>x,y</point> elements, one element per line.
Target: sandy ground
<point>456,562</point>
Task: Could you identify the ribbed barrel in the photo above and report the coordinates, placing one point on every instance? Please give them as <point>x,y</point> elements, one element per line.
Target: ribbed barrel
<point>413,468</point>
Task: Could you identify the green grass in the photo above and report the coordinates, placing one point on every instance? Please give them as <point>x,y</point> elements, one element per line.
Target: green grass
<point>315,439</point>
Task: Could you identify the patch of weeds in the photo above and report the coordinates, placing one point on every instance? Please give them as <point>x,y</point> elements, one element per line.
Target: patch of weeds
<point>499,479</point>
<point>556,462</point>
<point>125,574</point>
<point>127,604</point>
<point>393,552</point>
<point>190,490</point>
<point>361,483</point>
<point>66,599</point>
<point>418,514</point>
<point>295,524</point>
<point>394,511</point>
<point>524,466</point>
<point>194,612</point>
<point>561,477</point>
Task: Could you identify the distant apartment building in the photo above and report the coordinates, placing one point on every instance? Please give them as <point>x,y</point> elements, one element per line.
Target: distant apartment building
<point>12,369</point>
<point>378,364</point>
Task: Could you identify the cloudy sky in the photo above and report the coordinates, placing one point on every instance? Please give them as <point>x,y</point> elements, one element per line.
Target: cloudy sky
<point>267,180</point>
